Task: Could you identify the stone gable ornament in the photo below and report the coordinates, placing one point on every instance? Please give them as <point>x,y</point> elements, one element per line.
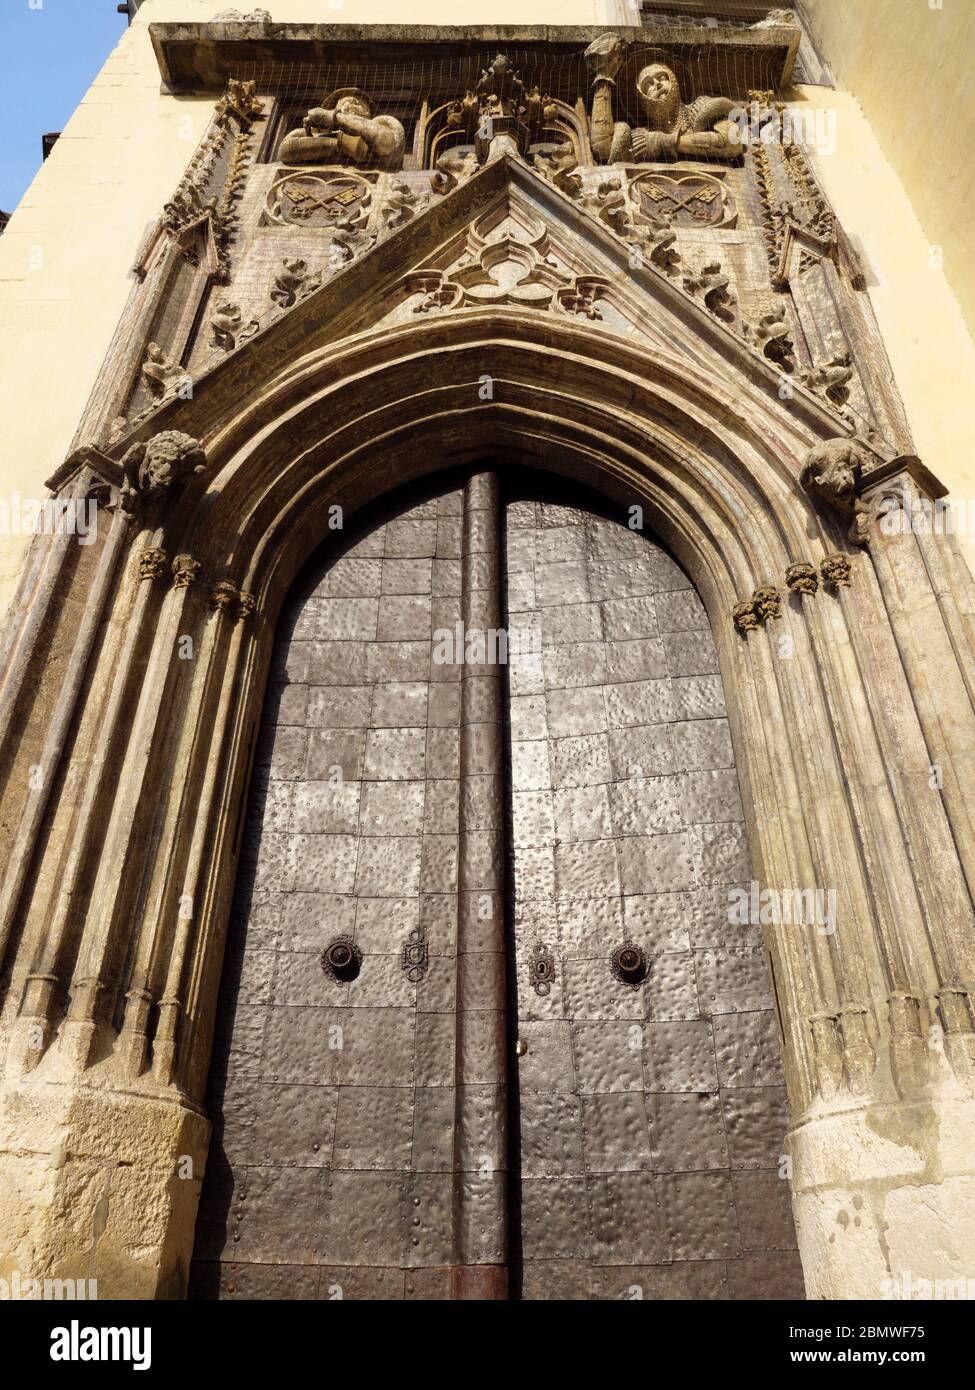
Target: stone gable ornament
<point>832,379</point>
<point>240,100</point>
<point>343,130</point>
<point>232,16</point>
<point>777,19</point>
<point>701,129</point>
<point>772,337</point>
<point>289,282</point>
<point>160,374</point>
<point>713,286</point>
<point>228,326</point>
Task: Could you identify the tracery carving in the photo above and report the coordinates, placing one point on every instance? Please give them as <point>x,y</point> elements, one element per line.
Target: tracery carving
<point>582,295</point>
<point>506,271</point>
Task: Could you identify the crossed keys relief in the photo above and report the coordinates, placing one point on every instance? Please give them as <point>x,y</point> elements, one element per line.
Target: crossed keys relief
<point>311,201</point>
<point>692,200</point>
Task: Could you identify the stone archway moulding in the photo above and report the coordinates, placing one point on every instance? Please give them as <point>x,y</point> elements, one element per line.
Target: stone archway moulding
<point>849,672</point>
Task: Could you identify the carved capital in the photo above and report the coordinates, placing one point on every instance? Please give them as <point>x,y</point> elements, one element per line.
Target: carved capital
<point>801,578</point>
<point>186,571</point>
<point>955,1002</point>
<point>246,605</point>
<point>767,602</point>
<point>152,563</point>
<point>836,571</point>
<point>745,617</point>
<point>224,596</point>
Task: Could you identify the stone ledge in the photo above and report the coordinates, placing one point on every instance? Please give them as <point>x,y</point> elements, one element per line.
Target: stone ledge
<point>201,57</point>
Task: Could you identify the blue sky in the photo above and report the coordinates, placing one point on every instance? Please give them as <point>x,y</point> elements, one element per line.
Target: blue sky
<point>50,50</point>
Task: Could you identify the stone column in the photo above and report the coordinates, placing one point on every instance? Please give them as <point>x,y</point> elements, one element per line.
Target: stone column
<point>480,1139</point>
<point>883,1173</point>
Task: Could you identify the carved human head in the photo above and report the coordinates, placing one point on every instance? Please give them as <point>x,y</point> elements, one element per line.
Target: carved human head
<point>354,106</point>
<point>659,93</point>
<point>350,101</point>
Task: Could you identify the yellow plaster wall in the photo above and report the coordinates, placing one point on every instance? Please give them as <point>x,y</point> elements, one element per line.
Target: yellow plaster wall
<point>924,329</point>
<point>65,258</point>
<point>909,64</point>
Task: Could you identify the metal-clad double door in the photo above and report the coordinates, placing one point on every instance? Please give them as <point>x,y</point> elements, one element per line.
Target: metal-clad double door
<point>487,1025</point>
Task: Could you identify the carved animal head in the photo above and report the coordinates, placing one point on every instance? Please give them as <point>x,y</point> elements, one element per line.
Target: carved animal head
<point>832,473</point>
<point>169,457</point>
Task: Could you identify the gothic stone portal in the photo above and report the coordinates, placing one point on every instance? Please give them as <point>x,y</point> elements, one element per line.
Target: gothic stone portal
<point>628,1142</point>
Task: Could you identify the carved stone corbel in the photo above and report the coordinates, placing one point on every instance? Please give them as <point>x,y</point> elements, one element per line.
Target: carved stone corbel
<point>291,283</point>
<point>152,468</point>
<point>240,100</point>
<point>771,337</point>
<point>161,375</point>
<point>402,203</point>
<point>832,474</point>
<point>831,379</point>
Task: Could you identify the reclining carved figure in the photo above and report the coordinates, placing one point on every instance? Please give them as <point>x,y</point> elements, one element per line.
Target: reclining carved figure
<point>699,130</point>
<point>343,130</point>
